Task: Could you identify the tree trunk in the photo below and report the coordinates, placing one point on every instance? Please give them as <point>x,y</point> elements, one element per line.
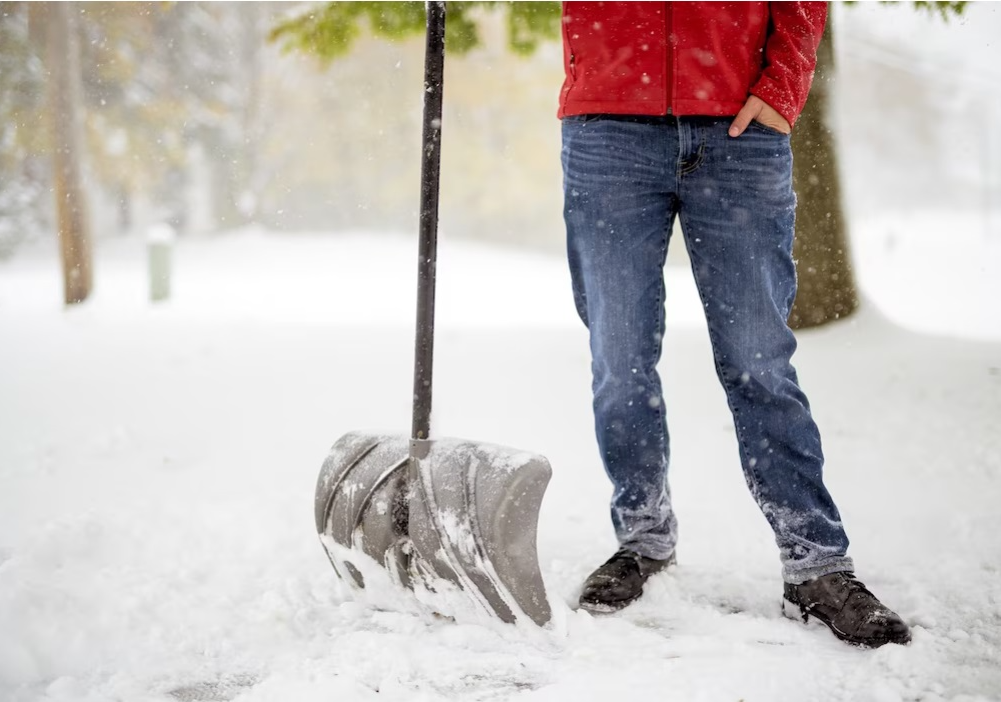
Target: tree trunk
<point>63,59</point>
<point>823,265</point>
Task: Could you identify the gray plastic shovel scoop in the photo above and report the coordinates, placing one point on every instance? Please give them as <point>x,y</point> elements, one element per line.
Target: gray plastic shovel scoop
<point>440,514</point>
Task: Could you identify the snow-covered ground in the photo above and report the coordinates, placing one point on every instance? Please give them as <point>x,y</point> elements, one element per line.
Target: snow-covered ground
<point>157,467</point>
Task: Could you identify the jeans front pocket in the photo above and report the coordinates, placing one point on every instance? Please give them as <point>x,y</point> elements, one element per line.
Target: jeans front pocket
<point>764,128</point>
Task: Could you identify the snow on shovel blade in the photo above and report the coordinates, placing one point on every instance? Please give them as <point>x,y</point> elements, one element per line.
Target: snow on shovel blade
<point>461,512</point>
<point>361,504</point>
<point>474,515</point>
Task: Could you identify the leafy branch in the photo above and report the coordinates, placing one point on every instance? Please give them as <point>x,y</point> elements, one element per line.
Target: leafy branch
<point>329,30</point>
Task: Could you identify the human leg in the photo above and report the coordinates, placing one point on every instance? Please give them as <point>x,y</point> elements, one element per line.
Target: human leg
<point>737,213</point>
<point>618,212</point>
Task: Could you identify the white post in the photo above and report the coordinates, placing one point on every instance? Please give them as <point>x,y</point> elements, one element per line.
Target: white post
<point>160,241</point>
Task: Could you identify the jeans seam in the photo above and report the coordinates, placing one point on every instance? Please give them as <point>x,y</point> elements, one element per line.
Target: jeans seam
<point>741,441</point>
<point>658,343</point>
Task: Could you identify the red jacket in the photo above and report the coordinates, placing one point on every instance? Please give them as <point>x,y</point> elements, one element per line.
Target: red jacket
<point>688,58</point>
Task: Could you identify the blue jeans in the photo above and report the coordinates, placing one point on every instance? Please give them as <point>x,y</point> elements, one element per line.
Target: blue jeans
<point>624,182</point>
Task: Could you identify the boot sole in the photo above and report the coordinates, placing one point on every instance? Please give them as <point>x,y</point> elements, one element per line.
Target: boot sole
<point>596,607</point>
<point>793,611</point>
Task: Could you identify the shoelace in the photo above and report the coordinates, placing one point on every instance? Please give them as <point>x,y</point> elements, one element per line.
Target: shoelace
<point>623,561</point>
<point>855,585</point>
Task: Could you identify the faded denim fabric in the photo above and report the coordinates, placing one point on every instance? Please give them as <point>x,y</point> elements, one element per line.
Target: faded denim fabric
<point>625,179</point>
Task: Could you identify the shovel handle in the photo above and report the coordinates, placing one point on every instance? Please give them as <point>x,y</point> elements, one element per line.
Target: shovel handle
<point>434,70</point>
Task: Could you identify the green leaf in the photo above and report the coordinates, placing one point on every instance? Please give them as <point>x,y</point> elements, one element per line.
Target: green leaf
<point>329,30</point>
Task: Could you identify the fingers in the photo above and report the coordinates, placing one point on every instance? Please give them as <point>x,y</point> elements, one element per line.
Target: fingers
<point>750,110</point>
<point>775,121</point>
<point>770,117</point>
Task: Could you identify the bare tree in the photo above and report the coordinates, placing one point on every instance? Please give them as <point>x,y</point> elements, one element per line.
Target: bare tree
<point>65,115</point>
<point>826,289</point>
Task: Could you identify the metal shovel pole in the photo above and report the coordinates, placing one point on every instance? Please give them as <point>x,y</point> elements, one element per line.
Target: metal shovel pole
<point>434,69</point>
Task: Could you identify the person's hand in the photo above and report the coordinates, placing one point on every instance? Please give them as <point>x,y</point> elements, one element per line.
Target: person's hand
<point>757,109</point>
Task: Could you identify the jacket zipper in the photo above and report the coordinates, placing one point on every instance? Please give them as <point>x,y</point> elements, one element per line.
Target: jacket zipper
<point>669,67</point>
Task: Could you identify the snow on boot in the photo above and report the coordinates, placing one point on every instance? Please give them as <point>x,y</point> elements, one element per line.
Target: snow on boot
<point>848,609</point>
<point>619,581</point>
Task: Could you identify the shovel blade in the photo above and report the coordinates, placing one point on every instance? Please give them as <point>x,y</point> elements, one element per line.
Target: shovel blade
<point>474,514</point>
<point>361,502</point>
<point>459,511</point>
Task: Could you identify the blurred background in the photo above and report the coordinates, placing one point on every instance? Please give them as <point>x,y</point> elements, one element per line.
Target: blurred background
<point>192,116</point>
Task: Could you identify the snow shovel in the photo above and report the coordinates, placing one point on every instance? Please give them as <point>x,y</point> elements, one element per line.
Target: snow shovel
<point>441,514</point>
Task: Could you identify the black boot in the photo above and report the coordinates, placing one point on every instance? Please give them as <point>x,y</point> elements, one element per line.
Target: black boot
<point>847,608</point>
<point>619,581</point>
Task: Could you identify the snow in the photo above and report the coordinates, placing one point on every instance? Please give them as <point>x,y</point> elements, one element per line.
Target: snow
<point>158,464</point>
<point>161,234</point>
<point>932,273</point>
